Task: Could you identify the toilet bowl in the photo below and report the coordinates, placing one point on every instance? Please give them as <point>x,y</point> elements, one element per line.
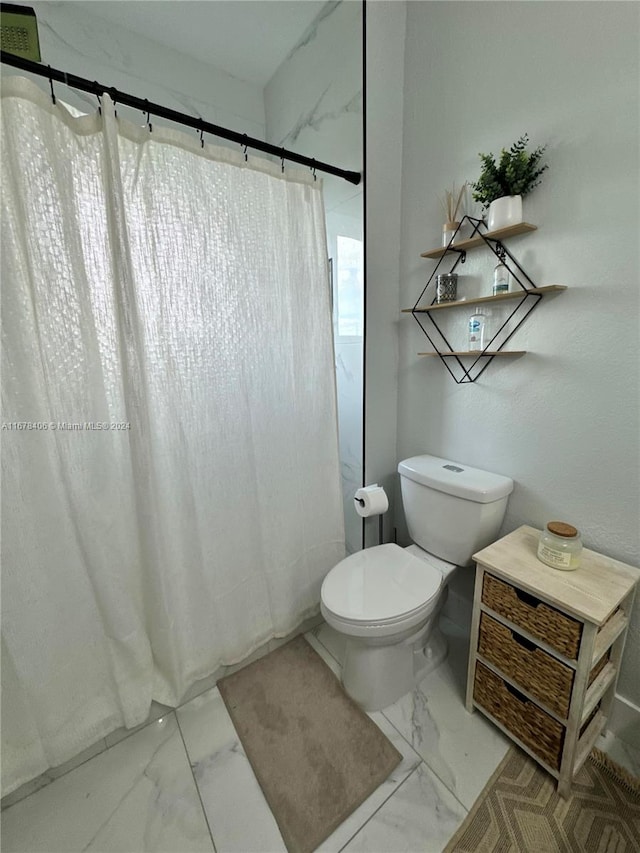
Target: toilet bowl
<point>385,600</point>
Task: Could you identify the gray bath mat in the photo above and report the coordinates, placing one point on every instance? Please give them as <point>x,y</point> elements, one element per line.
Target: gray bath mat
<point>315,753</point>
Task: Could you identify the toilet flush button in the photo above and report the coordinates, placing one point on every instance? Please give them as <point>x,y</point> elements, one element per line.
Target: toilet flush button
<point>453,468</point>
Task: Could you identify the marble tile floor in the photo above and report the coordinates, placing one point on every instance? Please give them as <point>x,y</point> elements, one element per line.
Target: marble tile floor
<point>182,783</point>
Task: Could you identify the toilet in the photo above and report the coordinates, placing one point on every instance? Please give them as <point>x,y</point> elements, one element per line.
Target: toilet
<point>385,600</point>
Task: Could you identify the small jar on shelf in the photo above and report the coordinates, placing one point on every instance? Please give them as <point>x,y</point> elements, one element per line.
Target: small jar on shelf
<point>500,279</point>
<point>449,230</point>
<point>446,287</point>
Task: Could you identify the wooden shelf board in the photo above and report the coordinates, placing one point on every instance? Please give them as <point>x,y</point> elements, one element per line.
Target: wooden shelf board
<point>464,245</point>
<point>597,690</point>
<point>476,353</point>
<point>588,741</point>
<point>477,300</point>
<point>607,635</point>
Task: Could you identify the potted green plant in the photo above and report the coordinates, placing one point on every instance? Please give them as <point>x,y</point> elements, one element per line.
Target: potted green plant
<point>501,185</point>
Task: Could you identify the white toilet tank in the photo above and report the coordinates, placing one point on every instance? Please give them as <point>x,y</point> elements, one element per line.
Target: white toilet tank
<point>452,510</point>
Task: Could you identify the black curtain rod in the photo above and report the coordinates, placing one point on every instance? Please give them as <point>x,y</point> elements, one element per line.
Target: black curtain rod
<point>159,111</point>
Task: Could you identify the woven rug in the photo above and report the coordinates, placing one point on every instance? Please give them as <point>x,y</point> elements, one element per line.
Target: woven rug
<point>315,753</point>
<point>519,811</point>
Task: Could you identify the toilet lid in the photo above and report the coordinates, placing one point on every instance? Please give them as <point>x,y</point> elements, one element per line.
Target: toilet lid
<point>379,583</point>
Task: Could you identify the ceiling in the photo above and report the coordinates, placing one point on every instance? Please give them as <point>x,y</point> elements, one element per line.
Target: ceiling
<point>246,38</point>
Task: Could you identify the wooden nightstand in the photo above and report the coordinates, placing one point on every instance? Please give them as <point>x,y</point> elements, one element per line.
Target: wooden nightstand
<point>546,648</point>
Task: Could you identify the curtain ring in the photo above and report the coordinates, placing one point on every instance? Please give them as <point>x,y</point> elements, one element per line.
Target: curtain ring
<point>282,160</point>
<point>149,125</point>
<point>53,97</point>
<point>313,170</point>
<point>201,138</point>
<point>245,146</point>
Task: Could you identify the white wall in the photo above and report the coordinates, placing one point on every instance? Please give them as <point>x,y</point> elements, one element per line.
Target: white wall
<point>313,106</point>
<point>384,124</point>
<point>563,420</point>
<point>75,40</point>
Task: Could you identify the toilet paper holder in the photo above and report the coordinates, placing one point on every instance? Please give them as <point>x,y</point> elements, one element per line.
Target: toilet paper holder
<point>380,507</point>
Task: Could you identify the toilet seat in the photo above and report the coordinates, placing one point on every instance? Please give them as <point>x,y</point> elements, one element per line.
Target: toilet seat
<point>380,591</point>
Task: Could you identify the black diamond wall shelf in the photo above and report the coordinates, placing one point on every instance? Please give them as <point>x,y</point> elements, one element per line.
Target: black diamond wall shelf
<point>468,366</point>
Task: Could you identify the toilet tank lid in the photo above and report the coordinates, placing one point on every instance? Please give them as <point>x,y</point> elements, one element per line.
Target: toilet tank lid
<point>456,479</point>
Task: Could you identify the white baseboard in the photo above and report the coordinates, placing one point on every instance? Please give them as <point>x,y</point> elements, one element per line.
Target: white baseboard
<point>624,721</point>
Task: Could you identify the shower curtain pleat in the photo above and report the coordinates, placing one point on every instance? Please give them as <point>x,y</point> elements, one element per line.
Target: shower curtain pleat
<point>182,293</point>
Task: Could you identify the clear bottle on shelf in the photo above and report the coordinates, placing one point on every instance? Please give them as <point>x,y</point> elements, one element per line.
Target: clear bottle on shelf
<point>500,279</point>
<point>476,332</point>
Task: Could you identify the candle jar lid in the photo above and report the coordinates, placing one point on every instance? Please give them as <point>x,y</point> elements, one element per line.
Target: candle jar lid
<point>561,528</point>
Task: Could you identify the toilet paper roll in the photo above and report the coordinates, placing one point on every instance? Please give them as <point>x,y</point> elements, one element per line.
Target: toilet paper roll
<point>371,500</point>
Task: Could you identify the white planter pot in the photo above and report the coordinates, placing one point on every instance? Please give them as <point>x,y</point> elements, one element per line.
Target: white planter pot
<point>505,211</point>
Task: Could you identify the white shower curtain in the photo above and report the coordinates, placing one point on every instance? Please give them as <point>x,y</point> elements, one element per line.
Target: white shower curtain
<point>179,296</point>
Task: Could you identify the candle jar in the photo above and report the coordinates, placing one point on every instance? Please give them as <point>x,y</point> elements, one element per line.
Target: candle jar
<point>446,287</point>
<point>560,546</point>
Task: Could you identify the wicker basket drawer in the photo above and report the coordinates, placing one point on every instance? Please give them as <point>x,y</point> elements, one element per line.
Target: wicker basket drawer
<point>538,731</point>
<point>545,677</point>
<point>555,628</point>
<point>529,666</point>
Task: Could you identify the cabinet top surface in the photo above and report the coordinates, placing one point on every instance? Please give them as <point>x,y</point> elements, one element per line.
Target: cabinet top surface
<point>591,592</point>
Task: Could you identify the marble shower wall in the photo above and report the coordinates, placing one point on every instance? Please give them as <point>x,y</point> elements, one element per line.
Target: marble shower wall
<point>313,105</point>
<point>75,40</point>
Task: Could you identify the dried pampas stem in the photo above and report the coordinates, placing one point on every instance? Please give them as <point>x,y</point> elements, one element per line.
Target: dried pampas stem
<point>452,201</point>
